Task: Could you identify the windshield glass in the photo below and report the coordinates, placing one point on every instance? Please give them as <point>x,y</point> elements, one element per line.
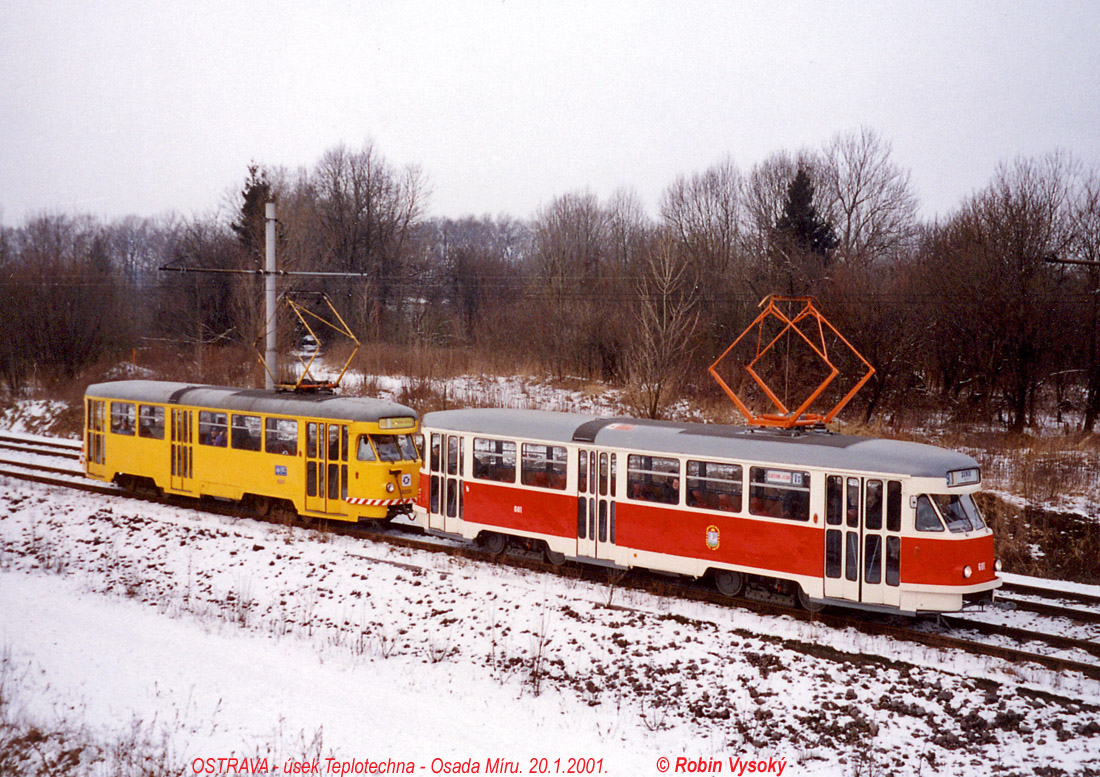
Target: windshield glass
<point>394,447</point>
<point>927,520</point>
<point>959,511</point>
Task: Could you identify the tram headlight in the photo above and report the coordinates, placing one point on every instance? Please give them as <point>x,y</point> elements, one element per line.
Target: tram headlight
<point>997,565</point>
<point>389,488</point>
<point>967,571</point>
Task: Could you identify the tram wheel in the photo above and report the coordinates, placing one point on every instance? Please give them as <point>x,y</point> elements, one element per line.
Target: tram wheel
<point>494,543</point>
<point>260,505</point>
<point>808,604</point>
<point>729,583</point>
<point>553,557</point>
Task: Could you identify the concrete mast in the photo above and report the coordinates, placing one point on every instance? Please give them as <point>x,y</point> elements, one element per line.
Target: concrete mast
<point>269,308</point>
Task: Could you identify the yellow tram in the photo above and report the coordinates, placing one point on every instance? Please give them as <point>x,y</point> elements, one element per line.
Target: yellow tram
<point>319,455</point>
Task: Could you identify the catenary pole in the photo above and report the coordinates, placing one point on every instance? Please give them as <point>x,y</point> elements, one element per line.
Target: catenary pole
<point>269,289</point>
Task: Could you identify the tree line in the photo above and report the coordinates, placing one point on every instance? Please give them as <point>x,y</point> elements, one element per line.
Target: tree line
<point>987,313</point>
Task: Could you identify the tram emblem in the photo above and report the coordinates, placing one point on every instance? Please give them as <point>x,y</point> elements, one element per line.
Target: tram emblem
<point>712,537</point>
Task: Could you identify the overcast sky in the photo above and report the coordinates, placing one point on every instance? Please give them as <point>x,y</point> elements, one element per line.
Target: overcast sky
<point>118,107</point>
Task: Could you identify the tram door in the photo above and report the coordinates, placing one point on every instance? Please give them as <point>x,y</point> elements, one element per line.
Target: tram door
<point>326,467</point>
<point>94,438</point>
<point>446,483</point>
<point>596,473</point>
<point>860,534</point>
<point>183,460</point>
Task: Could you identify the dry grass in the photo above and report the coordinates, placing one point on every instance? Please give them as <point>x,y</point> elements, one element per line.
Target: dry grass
<point>430,362</point>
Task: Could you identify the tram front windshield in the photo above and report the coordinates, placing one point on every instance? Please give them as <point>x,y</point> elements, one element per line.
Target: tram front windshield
<point>390,447</point>
<point>959,512</point>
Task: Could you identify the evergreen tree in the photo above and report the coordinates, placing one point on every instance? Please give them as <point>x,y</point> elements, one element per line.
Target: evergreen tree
<point>250,223</point>
<point>800,222</point>
<point>802,241</point>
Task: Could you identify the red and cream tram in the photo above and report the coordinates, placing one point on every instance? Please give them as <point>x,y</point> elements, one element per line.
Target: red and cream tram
<point>829,518</point>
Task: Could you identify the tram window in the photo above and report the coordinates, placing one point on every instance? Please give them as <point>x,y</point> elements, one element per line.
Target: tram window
<point>872,558</point>
<point>582,474</point>
<point>311,441</point>
<point>779,493</point>
<point>365,452</point>
<point>333,480</point>
<point>281,436</point>
<point>212,428</point>
<point>311,478</point>
<point>151,422</point>
<point>394,447</point>
<point>495,460</point>
<point>873,518</point>
<point>418,444</point>
<point>452,458</point>
<point>893,560</point>
<point>893,505</point>
<point>452,497</point>
<point>959,511</point>
<point>714,486</point>
<point>245,435</point>
<point>927,520</point>
<point>852,505</point>
<point>652,478</point>
<point>543,466</point>
<point>614,479</point>
<point>436,459</point>
<point>122,417</point>
<point>833,556</point>
<point>851,555</point>
<point>834,501</point>
<point>95,415</point>
<point>333,443</point>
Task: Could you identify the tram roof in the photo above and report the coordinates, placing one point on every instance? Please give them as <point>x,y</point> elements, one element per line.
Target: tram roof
<point>364,409</point>
<point>795,448</point>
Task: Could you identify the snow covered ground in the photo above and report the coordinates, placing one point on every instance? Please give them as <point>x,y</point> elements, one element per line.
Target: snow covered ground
<point>143,639</point>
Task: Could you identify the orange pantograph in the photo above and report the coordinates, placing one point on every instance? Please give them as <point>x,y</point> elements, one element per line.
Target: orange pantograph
<point>808,319</point>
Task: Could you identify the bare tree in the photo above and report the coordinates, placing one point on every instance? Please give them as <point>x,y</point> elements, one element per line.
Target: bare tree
<point>1086,247</point>
<point>628,229</point>
<point>64,290</point>
<point>704,217</point>
<point>571,287</point>
<point>367,213</point>
<point>703,213</point>
<point>995,300</point>
<point>659,356</point>
<point>867,197</point>
<point>197,309</point>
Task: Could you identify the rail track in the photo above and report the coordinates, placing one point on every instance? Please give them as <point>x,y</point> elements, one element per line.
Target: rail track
<point>944,632</point>
<point>1050,607</point>
<point>63,449</point>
